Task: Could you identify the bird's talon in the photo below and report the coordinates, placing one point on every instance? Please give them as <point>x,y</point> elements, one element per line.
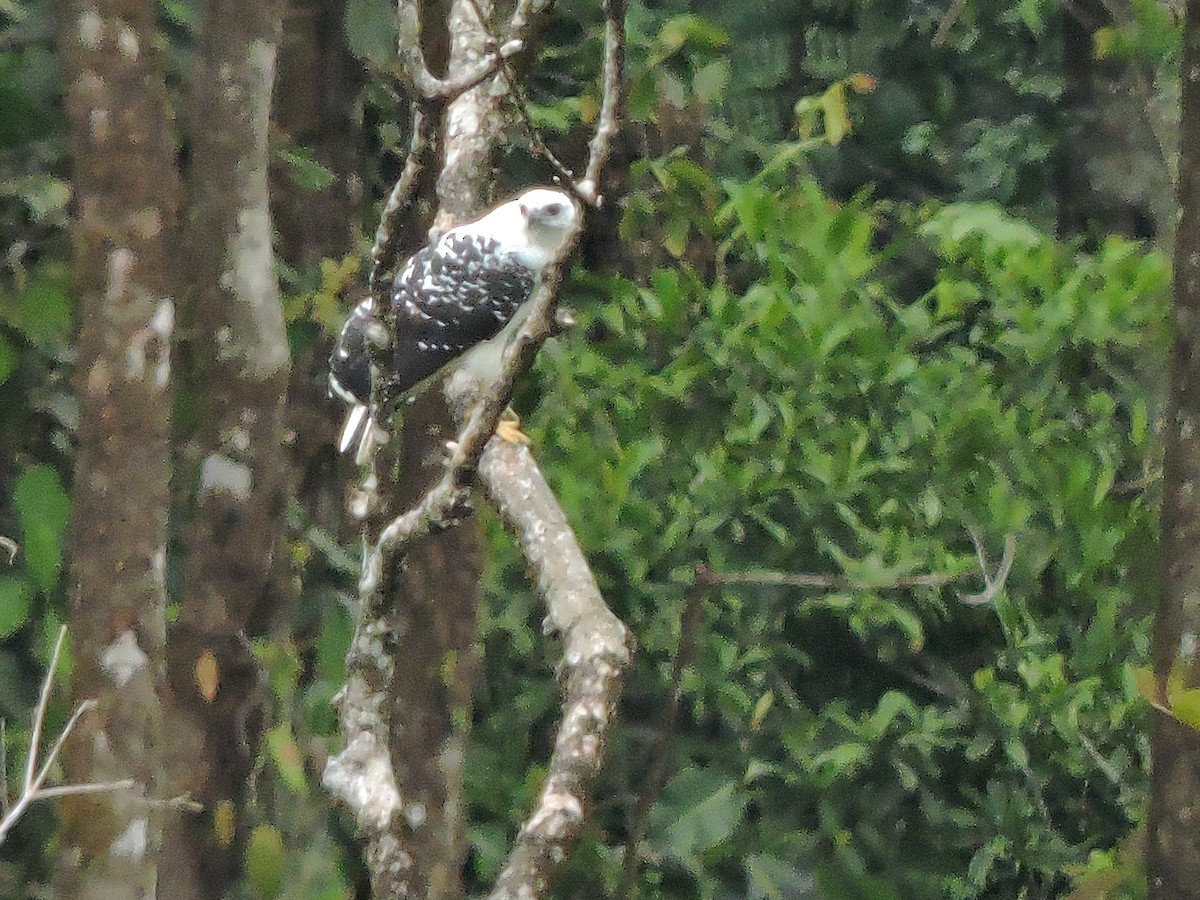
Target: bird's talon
<point>510,430</point>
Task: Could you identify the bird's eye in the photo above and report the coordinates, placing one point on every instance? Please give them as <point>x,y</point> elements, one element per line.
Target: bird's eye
<point>553,209</point>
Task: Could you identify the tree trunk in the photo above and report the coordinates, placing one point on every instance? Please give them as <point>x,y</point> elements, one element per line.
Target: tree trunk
<point>241,358</point>
<point>126,200</point>
<point>1173,864</point>
<point>437,591</point>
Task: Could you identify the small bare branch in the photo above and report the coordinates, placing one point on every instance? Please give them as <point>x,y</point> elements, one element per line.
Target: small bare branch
<point>84,707</point>
<point>947,22</point>
<point>32,788</point>
<point>612,96</point>
<point>3,768</point>
<point>39,714</point>
<point>386,249</point>
<point>11,546</point>
<point>96,787</point>
<point>993,584</point>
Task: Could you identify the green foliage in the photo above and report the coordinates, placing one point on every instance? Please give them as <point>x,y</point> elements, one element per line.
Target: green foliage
<point>837,336</point>
<point>265,861</point>
<point>794,404</point>
<point>43,510</point>
<point>698,812</point>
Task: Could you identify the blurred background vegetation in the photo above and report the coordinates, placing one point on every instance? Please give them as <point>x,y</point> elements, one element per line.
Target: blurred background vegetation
<point>877,277</point>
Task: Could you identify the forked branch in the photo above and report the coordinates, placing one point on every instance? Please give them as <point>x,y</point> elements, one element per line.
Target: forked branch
<point>596,653</point>
<point>33,784</point>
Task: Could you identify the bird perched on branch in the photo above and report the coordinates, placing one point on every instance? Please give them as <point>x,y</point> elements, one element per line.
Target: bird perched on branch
<point>461,298</point>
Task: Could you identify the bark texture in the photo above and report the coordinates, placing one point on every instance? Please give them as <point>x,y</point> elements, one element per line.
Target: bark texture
<point>1173,863</point>
<point>596,652</point>
<point>241,360</point>
<point>436,593</point>
<point>405,707</point>
<point>126,201</point>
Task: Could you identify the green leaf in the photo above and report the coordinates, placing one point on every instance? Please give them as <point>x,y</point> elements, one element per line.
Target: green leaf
<point>769,878</point>
<point>8,359</point>
<point>43,510</point>
<point>306,169</point>
<point>286,755</point>
<point>699,809</point>
<point>1186,707</point>
<point>265,858</point>
<point>371,30</point>
<point>14,604</point>
<point>43,195</point>
<point>43,311</point>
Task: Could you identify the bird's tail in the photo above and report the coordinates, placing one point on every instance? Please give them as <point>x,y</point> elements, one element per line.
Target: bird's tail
<point>361,429</point>
<point>358,418</point>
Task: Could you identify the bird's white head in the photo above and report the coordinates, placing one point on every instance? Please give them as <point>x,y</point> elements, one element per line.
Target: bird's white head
<point>550,216</point>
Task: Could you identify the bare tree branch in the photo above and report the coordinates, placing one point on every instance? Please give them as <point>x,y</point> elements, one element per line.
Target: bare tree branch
<point>612,98</point>
<point>386,249</point>
<point>363,774</point>
<point>427,85</point>
<point>11,546</point>
<point>947,22</point>
<point>660,753</point>
<point>595,654</point>
<point>993,583</point>
<point>32,789</point>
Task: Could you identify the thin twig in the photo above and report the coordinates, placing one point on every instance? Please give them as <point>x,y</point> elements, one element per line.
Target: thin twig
<point>96,787</point>
<point>44,771</point>
<point>947,22</point>
<point>387,237</point>
<point>3,768</point>
<point>689,629</point>
<point>1107,769</point>
<point>32,789</point>
<point>611,100</point>
<point>39,714</point>
<point>520,102</point>
<point>11,546</point>
<point>993,584</point>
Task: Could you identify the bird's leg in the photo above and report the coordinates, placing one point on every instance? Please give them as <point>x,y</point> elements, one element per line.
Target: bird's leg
<point>509,428</point>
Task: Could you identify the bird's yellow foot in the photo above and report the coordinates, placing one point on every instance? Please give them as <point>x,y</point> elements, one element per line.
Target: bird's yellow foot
<point>509,428</point>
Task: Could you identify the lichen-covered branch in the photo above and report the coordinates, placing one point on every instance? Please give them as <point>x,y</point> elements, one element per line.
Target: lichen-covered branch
<point>611,100</point>
<point>383,704</point>
<point>596,653</point>
<point>465,77</point>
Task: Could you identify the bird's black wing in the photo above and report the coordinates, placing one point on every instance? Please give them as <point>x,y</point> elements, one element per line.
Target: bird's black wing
<point>350,362</point>
<point>448,298</point>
